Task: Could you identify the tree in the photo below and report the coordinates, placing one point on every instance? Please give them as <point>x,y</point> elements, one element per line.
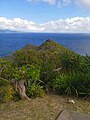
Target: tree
<point>17,76</point>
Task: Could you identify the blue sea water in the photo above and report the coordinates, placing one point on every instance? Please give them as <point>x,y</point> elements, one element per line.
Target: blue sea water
<point>10,42</point>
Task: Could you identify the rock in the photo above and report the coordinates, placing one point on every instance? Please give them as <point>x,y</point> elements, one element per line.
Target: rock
<point>71,115</point>
<point>49,40</point>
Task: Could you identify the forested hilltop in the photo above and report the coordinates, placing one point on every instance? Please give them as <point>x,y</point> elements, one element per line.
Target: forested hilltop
<point>35,71</point>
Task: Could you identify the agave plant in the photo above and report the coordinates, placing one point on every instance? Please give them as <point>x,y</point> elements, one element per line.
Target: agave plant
<point>70,61</point>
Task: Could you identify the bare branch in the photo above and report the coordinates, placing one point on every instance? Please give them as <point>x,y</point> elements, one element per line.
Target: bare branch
<point>4,79</point>
<point>2,69</point>
<point>57,70</point>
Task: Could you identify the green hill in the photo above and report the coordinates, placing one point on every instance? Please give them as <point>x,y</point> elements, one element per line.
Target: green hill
<point>48,45</point>
<point>47,51</point>
<point>47,68</point>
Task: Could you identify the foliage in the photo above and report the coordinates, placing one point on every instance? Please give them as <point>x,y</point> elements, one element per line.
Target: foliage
<point>35,90</point>
<point>49,66</point>
<point>73,84</point>
<point>70,62</point>
<point>22,57</point>
<point>3,62</point>
<point>32,83</point>
<point>31,74</point>
<point>8,93</point>
<point>3,83</point>
<point>7,72</point>
<point>75,75</point>
<point>27,72</point>
<point>36,56</point>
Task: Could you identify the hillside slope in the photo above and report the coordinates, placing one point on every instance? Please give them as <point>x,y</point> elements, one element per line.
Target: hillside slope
<point>37,55</point>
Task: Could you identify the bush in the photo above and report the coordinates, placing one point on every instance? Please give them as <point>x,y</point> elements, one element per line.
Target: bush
<point>3,83</point>
<point>7,93</point>
<point>22,57</point>
<point>60,84</point>
<point>35,91</point>
<point>33,87</point>
<point>76,83</point>
<point>70,62</point>
<point>39,66</point>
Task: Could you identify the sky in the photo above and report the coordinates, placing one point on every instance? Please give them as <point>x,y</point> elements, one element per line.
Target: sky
<point>45,15</point>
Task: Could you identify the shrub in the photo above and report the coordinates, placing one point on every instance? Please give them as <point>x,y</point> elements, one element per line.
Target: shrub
<point>8,93</point>
<point>36,66</point>
<point>3,83</point>
<point>76,83</point>
<point>59,85</point>
<point>7,72</point>
<point>22,57</point>
<point>70,62</point>
<point>35,91</point>
<point>32,75</point>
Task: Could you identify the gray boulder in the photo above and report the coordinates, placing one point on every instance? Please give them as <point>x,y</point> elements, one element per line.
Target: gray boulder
<point>71,115</point>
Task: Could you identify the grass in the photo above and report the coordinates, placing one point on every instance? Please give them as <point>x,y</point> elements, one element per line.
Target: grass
<point>45,108</point>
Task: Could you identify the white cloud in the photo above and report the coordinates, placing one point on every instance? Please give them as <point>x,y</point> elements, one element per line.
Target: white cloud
<point>63,3</point>
<point>17,24</point>
<point>76,24</point>
<point>59,3</point>
<point>46,1</point>
<point>50,1</point>
<point>83,3</point>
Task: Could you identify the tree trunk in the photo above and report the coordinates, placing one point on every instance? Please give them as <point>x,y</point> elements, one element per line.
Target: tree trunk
<point>20,89</point>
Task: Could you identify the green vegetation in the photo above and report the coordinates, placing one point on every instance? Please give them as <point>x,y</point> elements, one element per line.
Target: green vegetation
<point>34,71</point>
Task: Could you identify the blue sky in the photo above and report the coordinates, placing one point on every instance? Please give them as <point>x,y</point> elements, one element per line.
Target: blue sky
<point>41,15</point>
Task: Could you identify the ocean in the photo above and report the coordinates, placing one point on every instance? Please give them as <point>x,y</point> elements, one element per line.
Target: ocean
<point>10,42</point>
